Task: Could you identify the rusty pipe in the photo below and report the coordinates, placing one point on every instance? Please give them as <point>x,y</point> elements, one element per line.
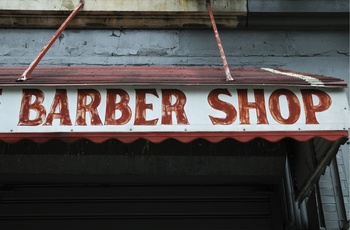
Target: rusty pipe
<point>48,45</point>
<point>218,41</point>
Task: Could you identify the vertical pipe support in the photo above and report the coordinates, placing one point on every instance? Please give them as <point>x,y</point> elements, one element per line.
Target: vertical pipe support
<point>338,195</point>
<point>44,50</point>
<point>218,41</point>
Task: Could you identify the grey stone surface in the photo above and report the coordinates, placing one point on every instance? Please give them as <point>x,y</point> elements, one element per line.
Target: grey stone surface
<point>322,52</point>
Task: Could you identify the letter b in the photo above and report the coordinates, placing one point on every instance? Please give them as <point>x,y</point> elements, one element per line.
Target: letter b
<point>27,106</point>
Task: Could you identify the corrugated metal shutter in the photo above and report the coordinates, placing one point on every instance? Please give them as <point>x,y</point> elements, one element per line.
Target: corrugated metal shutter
<point>135,207</point>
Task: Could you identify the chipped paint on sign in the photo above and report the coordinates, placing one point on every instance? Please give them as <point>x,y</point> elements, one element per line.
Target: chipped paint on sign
<point>174,109</point>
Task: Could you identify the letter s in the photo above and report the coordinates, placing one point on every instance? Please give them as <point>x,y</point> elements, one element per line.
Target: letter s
<point>216,103</point>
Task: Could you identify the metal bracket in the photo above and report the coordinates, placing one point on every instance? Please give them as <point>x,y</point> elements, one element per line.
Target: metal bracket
<point>44,50</point>
<point>218,41</point>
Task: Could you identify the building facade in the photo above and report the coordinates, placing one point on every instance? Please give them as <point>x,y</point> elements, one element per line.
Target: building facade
<point>172,184</point>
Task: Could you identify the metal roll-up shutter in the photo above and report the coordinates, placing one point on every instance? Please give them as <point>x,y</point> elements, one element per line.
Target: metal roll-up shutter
<point>135,207</point>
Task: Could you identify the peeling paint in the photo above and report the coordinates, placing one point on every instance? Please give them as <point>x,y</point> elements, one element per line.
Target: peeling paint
<point>151,52</point>
<point>67,4</point>
<point>61,37</point>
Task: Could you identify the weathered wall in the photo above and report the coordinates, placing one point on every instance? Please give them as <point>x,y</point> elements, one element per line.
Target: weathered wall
<point>322,52</point>
<point>126,5</point>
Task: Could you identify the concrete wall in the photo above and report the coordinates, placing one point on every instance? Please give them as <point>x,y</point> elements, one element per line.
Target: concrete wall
<point>316,51</point>
<point>322,52</point>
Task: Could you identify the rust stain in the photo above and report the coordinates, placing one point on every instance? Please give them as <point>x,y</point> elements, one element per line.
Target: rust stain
<point>68,4</point>
<point>184,4</point>
<point>145,75</point>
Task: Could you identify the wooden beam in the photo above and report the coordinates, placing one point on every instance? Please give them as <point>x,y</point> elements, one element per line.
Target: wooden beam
<point>122,13</point>
<point>126,5</point>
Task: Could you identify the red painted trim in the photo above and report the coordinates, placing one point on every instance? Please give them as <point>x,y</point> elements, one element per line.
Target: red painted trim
<point>180,136</point>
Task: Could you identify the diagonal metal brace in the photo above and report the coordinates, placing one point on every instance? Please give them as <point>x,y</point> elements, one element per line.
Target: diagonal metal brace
<point>218,41</point>
<point>44,50</point>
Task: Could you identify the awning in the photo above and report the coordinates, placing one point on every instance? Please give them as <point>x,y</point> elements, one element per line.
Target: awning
<point>156,103</point>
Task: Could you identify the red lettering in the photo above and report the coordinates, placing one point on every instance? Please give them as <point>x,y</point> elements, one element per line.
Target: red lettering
<point>293,106</point>
<point>178,107</point>
<point>60,101</point>
<point>244,106</point>
<point>122,106</point>
<point>310,108</point>
<point>82,107</point>
<point>36,106</point>
<point>141,107</point>
<point>216,103</point>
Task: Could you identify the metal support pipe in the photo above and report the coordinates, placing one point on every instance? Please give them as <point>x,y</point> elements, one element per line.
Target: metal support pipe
<point>218,41</point>
<point>44,50</point>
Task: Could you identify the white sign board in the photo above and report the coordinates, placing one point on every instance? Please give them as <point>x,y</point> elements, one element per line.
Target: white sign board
<point>171,109</point>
